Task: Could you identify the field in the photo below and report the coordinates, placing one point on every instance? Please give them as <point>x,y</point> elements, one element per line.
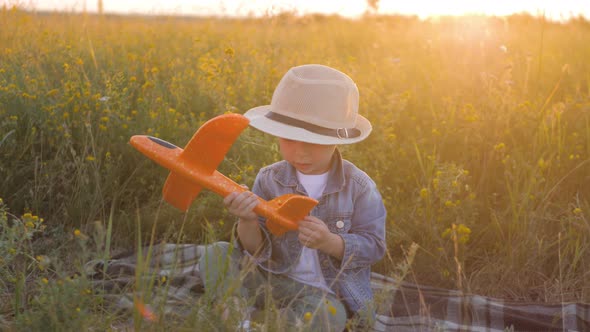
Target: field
<point>480,146</point>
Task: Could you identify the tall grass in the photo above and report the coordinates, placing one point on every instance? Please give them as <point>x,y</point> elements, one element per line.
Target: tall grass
<point>480,146</point>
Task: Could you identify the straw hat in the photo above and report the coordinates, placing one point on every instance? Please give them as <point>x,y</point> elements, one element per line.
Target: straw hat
<point>315,104</point>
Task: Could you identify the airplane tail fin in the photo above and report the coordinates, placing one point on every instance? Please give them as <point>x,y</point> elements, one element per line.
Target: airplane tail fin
<point>290,209</point>
<point>179,192</point>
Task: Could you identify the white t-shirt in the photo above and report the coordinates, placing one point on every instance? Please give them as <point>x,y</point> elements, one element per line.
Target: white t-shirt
<point>307,270</point>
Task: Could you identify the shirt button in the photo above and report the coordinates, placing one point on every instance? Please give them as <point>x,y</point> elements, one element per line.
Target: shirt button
<point>339,224</point>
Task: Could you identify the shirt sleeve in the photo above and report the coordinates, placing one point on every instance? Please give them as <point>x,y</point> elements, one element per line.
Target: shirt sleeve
<point>364,244</point>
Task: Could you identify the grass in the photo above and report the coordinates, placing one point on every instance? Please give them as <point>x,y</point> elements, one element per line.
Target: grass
<point>481,145</point>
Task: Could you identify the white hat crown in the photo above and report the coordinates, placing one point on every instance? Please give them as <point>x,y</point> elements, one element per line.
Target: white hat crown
<point>319,95</point>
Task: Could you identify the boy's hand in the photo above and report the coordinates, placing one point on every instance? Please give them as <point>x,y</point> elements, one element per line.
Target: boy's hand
<point>314,233</point>
<point>242,205</point>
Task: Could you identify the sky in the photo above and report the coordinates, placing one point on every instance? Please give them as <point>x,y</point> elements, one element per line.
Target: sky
<point>553,9</point>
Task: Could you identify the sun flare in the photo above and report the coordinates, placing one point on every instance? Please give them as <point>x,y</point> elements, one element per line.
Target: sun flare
<point>421,8</point>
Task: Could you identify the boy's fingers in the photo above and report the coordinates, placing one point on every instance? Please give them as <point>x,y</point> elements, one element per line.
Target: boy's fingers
<point>311,219</point>
<point>241,204</point>
<point>244,200</point>
<point>252,205</point>
<point>240,199</point>
<point>307,222</point>
<point>229,199</point>
<point>235,198</point>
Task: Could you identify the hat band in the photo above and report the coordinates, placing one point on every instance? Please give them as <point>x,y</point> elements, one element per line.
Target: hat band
<point>339,133</point>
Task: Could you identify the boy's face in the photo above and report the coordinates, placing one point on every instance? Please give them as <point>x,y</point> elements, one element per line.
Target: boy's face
<point>307,158</point>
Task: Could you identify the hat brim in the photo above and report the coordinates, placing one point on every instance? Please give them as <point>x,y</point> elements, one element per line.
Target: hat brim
<point>258,120</point>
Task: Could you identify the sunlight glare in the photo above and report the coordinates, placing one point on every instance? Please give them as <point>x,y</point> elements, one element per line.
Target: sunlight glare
<point>422,8</point>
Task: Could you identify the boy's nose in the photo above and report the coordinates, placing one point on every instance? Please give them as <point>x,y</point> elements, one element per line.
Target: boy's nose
<point>301,148</point>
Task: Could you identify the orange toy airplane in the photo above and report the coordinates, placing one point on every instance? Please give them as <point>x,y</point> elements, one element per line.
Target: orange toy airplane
<point>194,167</point>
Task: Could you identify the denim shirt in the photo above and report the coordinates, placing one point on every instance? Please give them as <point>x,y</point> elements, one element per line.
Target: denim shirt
<point>350,196</point>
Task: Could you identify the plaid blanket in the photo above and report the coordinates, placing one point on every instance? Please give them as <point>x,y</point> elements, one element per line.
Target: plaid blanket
<point>172,274</point>
<point>414,307</point>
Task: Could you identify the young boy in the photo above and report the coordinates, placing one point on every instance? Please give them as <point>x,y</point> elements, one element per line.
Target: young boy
<point>320,273</point>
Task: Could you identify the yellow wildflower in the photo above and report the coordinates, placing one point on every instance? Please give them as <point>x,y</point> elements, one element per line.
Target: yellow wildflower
<point>51,92</point>
<point>424,193</point>
<point>543,165</point>
<point>229,52</point>
<point>500,147</point>
<point>43,262</point>
<point>463,230</point>
<point>332,310</point>
<point>577,210</point>
<point>307,316</point>
<point>90,158</point>
<point>462,233</point>
<point>505,159</point>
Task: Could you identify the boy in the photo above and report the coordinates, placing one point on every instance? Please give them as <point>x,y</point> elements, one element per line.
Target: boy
<point>321,272</point>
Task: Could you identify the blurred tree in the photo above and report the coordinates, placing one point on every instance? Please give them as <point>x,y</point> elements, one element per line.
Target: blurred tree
<point>373,6</point>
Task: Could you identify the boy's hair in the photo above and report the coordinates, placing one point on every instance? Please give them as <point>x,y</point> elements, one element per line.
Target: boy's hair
<point>315,104</point>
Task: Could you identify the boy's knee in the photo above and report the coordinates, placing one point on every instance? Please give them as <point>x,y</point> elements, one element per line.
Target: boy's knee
<point>218,247</point>
<point>213,253</point>
<point>212,263</point>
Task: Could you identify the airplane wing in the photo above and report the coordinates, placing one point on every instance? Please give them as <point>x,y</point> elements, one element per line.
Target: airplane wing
<point>205,150</point>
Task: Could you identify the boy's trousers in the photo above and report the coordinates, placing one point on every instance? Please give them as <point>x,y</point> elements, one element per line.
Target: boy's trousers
<point>227,272</point>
